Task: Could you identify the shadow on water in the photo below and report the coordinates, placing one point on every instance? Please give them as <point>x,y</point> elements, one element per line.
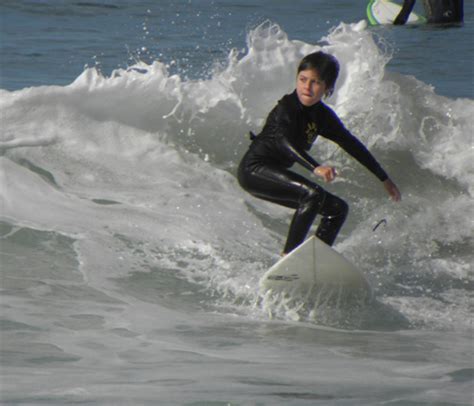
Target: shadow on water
<point>168,287</point>
<point>332,309</point>
<point>186,284</point>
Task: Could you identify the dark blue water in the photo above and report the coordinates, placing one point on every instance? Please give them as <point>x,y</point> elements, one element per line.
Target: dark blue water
<point>50,42</point>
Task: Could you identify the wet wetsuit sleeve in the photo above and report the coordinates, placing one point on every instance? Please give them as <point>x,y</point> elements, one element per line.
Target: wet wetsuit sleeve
<point>337,133</point>
<point>404,12</point>
<point>301,157</point>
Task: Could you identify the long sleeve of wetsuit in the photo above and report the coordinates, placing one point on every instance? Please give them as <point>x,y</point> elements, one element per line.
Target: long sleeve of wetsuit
<point>404,12</point>
<point>344,138</point>
<point>301,157</point>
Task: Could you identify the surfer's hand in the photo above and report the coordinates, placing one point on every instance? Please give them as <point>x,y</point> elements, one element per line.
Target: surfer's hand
<point>328,173</point>
<point>392,190</point>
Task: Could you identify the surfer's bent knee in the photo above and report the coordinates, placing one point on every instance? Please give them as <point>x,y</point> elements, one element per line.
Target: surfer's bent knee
<point>313,196</point>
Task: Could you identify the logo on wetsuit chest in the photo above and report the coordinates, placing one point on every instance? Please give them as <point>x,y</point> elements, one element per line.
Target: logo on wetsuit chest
<point>311,132</point>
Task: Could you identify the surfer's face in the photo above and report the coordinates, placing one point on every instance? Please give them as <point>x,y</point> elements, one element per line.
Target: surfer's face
<point>309,87</point>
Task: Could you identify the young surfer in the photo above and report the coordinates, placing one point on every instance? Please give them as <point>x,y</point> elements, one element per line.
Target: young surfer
<point>289,132</point>
<point>437,11</point>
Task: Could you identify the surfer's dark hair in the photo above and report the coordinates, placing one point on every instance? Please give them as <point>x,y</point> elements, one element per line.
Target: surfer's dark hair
<point>326,65</point>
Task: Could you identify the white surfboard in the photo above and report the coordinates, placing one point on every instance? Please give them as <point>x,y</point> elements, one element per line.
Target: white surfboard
<point>312,267</point>
<point>385,12</point>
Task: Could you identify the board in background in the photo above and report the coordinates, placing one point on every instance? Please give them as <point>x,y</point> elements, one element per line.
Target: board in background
<point>385,12</point>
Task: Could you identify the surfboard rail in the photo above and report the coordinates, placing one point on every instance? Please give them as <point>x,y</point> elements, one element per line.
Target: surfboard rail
<point>370,15</point>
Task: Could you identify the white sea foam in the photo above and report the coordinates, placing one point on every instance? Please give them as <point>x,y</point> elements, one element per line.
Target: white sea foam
<point>141,163</point>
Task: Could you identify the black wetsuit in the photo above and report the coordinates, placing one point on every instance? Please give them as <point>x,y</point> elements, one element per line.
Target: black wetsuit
<point>289,132</point>
<point>437,11</point>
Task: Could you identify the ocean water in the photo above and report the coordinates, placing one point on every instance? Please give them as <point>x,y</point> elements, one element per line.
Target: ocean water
<point>130,257</point>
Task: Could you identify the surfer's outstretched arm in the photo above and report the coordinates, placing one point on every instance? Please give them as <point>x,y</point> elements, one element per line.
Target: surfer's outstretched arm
<point>404,12</point>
